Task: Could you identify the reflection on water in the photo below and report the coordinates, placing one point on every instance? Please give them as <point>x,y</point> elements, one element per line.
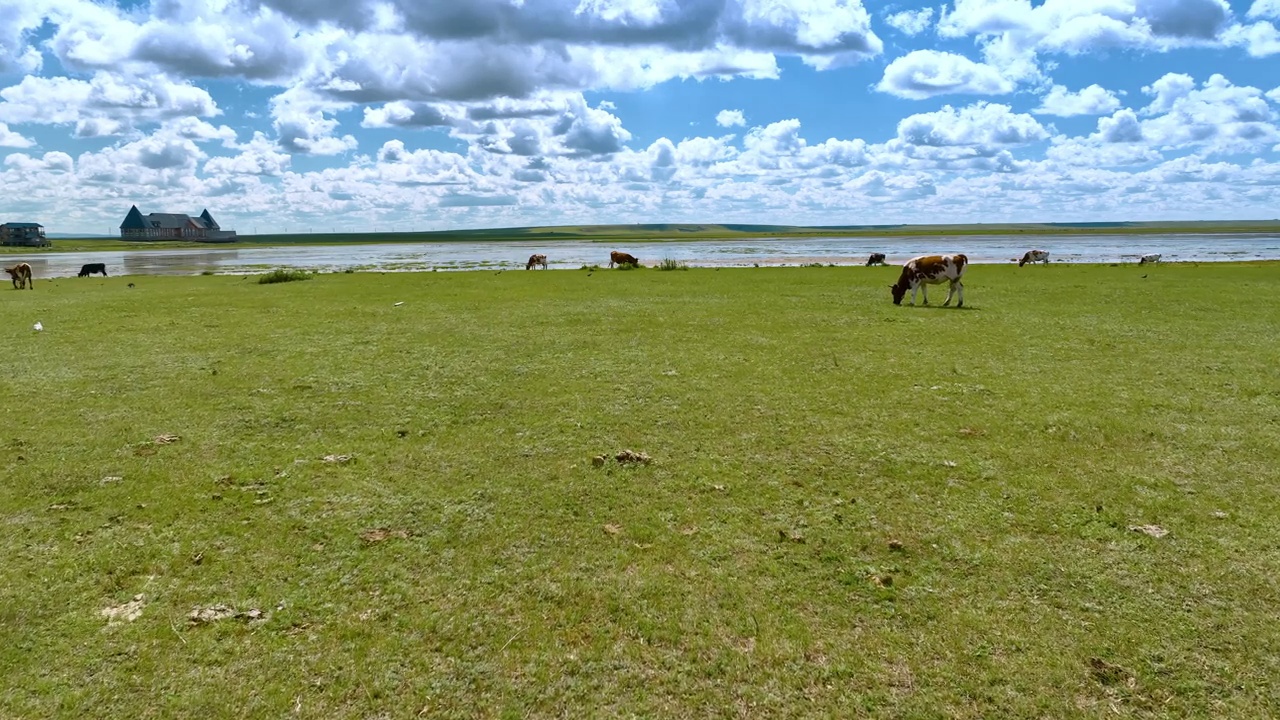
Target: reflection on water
<point>176,263</point>
<point>706,253</point>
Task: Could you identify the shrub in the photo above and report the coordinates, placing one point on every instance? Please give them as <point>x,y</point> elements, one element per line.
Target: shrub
<point>280,275</point>
<point>670,264</point>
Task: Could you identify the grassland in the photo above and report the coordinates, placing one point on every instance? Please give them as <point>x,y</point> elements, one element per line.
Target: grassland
<point>673,232</point>
<point>853,509</point>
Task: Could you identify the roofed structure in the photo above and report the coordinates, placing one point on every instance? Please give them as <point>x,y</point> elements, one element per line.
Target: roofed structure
<point>173,226</point>
<point>26,234</point>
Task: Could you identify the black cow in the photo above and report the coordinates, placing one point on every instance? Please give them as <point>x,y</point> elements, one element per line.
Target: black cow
<point>91,268</point>
<point>876,259</point>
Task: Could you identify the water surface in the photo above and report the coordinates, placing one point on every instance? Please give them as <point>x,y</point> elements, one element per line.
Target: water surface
<point>562,254</point>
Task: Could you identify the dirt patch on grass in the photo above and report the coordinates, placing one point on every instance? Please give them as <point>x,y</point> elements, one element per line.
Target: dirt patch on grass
<point>124,612</point>
<point>377,535</point>
<point>214,613</point>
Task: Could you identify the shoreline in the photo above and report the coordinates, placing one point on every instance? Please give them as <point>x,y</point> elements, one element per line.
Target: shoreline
<point>661,233</point>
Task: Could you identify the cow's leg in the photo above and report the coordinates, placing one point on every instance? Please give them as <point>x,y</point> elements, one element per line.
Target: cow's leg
<point>924,293</point>
<point>960,289</point>
<point>951,290</point>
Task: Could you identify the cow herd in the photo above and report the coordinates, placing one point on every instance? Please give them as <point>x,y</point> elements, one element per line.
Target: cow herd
<point>917,273</point>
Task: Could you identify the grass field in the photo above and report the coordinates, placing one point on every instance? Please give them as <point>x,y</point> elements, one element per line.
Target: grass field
<point>853,509</point>
<point>669,231</point>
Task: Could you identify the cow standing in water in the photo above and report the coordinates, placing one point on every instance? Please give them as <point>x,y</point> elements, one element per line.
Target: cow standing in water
<point>1034,256</point>
<point>920,272</point>
<point>876,259</point>
<point>622,258</point>
<point>535,261</point>
<point>21,274</point>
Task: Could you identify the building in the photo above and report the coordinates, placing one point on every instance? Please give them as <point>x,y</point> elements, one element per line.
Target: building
<point>173,226</point>
<point>26,234</point>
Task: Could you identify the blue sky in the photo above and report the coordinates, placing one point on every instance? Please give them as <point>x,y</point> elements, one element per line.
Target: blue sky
<point>292,115</point>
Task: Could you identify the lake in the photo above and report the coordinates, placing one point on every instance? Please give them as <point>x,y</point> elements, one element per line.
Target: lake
<point>573,254</point>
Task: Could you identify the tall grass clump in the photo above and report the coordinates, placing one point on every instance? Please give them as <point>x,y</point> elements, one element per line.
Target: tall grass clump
<point>672,264</point>
<point>280,275</point>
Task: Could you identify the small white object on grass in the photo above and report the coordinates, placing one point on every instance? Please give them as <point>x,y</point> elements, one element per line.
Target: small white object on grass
<point>399,304</point>
<point>38,327</point>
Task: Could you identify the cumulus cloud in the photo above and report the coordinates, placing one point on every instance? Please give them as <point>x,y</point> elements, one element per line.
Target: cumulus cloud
<point>408,114</point>
<point>1093,100</point>
<point>9,138</point>
<point>258,157</point>
<point>1264,9</point>
<point>121,101</point>
<point>1122,127</point>
<point>910,22</point>
<point>730,118</point>
<point>1094,153</point>
<point>1076,27</point>
<point>1259,39</point>
<point>927,73</point>
<point>1184,18</point>
<point>1218,115</point>
<point>980,124</point>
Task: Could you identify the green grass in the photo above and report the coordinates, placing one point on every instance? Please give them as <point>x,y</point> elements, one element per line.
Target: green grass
<point>282,275</point>
<point>853,509</point>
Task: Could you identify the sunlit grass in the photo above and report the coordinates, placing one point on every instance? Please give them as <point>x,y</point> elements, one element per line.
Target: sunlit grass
<point>853,509</point>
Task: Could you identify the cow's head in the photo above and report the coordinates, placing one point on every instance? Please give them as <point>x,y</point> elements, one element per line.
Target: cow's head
<point>898,291</point>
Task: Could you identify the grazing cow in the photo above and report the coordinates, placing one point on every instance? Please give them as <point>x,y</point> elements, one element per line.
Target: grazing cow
<point>920,272</point>
<point>622,258</point>
<point>21,274</point>
<point>535,261</point>
<point>1149,258</point>
<point>1034,256</point>
<point>91,268</point>
<point>876,259</point>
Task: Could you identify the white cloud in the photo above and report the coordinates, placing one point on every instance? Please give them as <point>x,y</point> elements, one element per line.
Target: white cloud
<point>1093,153</point>
<point>1122,127</point>
<point>1218,116</point>
<point>1075,27</point>
<point>122,101</point>
<point>259,156</point>
<point>730,118</point>
<point>1259,39</point>
<point>1093,100</point>
<point>980,124</point>
<point>56,163</point>
<point>911,22</point>
<point>927,73</point>
<point>9,138</point>
<point>1265,9</point>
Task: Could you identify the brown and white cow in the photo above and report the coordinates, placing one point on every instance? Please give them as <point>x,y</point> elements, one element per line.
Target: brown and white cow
<point>622,258</point>
<point>21,274</point>
<point>535,261</point>
<point>876,259</point>
<point>1034,256</point>
<point>920,272</point>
